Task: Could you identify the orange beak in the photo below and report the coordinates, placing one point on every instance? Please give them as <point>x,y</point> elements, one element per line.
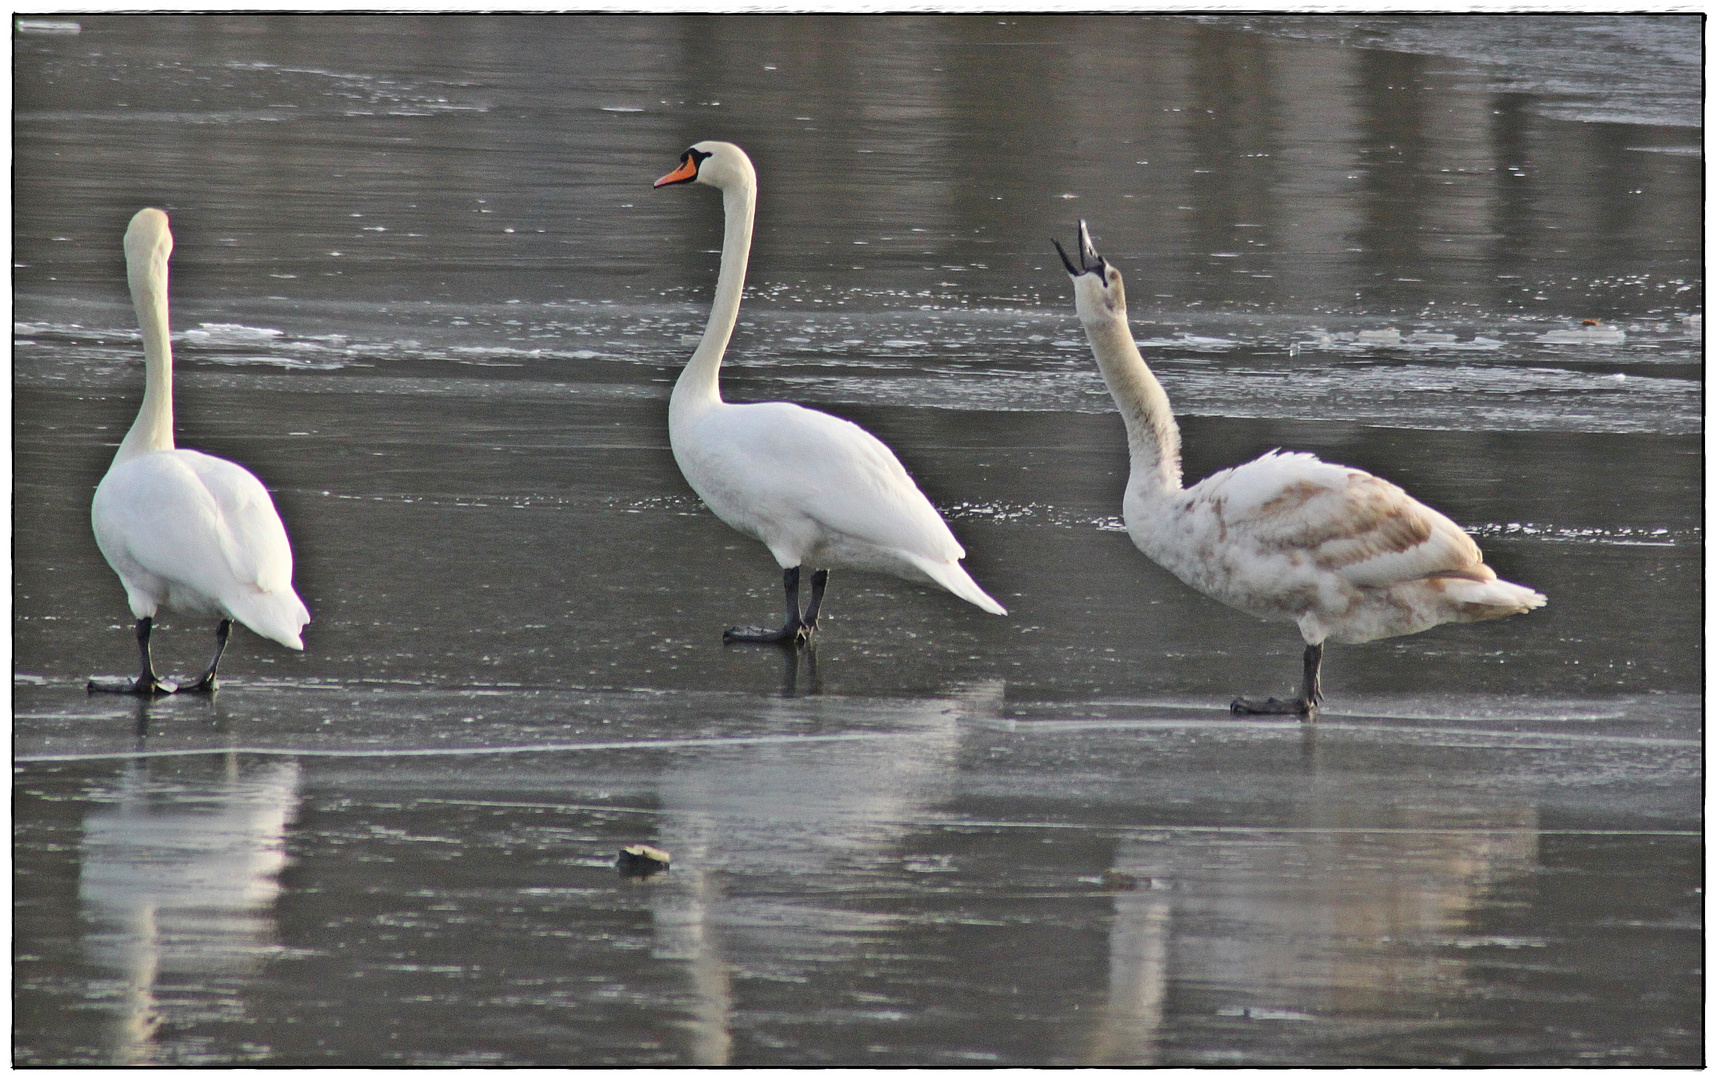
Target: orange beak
<point>688,170</point>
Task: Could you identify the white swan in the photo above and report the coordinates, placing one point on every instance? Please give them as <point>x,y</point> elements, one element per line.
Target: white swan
<point>179,527</point>
<point>817,490</point>
<point>1347,556</point>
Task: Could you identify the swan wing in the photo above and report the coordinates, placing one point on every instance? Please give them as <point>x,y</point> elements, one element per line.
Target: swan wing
<point>252,537</point>
<point>196,520</point>
<point>791,460</point>
<point>1347,521</point>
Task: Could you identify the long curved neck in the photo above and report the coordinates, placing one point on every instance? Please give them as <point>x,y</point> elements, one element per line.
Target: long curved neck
<point>700,383</point>
<point>1153,438</point>
<point>153,428</point>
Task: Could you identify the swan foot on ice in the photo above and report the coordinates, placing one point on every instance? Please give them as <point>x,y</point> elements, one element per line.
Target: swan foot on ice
<point>794,633</point>
<point>798,628</point>
<point>207,682</point>
<point>147,683</point>
<point>1306,705</point>
<point>1274,707</point>
<point>141,686</point>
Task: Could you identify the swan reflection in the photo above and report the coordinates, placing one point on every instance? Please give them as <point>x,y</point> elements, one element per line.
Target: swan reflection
<point>179,877</point>
<point>1334,916</point>
<point>1132,1015</point>
<point>764,812</point>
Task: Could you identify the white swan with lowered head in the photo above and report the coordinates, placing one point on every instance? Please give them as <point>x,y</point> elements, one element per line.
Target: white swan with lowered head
<point>820,492</point>
<point>181,528</point>
<point>1347,556</point>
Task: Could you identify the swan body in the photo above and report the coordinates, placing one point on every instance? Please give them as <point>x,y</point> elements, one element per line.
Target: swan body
<point>1345,555</point>
<point>181,528</point>
<point>817,490</point>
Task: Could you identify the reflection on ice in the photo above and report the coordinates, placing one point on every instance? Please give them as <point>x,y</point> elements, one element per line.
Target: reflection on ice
<point>782,812</point>
<point>179,878</point>
<point>1325,921</point>
<point>1132,1017</point>
<point>1339,921</point>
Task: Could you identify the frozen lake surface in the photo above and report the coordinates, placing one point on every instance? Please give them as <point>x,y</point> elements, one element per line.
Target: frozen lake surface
<point>423,289</point>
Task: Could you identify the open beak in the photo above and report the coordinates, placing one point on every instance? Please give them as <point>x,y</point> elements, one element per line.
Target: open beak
<point>1072,271</point>
<point>688,170</point>
<point>1094,263</point>
<point>1089,261</point>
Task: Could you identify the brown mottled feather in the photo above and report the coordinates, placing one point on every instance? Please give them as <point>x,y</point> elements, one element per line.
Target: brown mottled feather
<point>1364,528</point>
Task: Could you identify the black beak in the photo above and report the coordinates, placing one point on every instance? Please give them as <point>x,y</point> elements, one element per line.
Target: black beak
<point>1094,263</point>
<point>1072,271</point>
<point>1089,261</point>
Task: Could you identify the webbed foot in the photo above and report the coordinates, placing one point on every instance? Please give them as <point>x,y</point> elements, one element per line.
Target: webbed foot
<point>797,630</point>
<point>143,687</point>
<point>1274,707</point>
<point>1305,706</point>
<point>791,634</point>
<point>147,683</point>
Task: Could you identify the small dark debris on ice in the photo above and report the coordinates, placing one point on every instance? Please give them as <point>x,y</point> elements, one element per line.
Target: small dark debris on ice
<point>641,860</point>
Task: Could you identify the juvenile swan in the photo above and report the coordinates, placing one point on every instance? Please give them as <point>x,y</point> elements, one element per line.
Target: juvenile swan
<point>1347,556</point>
<point>179,527</point>
<point>819,491</point>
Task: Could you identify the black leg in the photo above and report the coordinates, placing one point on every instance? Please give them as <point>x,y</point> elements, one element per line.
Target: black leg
<point>1304,706</point>
<point>819,582</point>
<point>147,682</point>
<point>793,630</point>
<point>1311,685</point>
<point>222,632</point>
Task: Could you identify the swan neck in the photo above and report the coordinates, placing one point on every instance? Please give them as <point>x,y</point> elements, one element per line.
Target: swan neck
<point>153,428</point>
<point>1153,437</point>
<point>699,383</point>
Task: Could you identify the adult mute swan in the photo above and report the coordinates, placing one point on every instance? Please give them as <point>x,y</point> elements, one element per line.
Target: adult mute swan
<point>1347,556</point>
<point>179,527</point>
<point>819,491</point>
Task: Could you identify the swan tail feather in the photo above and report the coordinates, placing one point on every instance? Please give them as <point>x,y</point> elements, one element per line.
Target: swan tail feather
<point>278,616</point>
<point>953,577</point>
<point>1493,599</point>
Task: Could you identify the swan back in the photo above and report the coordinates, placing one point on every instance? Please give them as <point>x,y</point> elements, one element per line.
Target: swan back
<point>804,482</point>
<point>199,533</point>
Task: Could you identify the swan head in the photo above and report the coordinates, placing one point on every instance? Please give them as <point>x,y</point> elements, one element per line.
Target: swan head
<point>148,242</point>
<point>718,164</point>
<point>1097,292</point>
